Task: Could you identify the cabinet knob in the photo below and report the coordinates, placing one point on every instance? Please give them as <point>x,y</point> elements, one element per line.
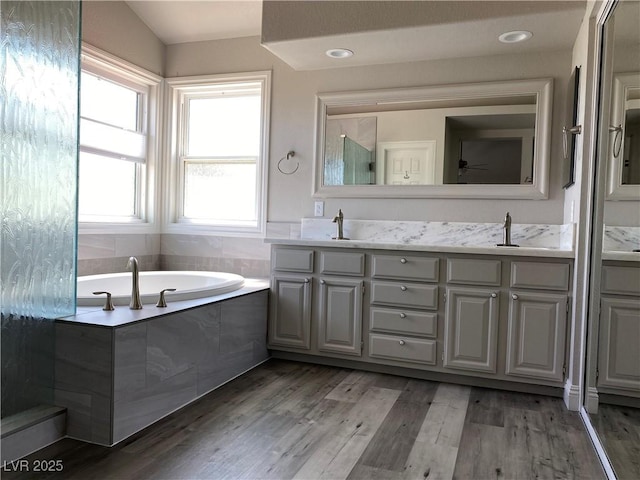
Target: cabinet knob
<point>401,342</point>
<point>494,295</point>
<point>403,288</point>
<point>403,260</point>
<point>306,280</point>
<point>322,282</point>
<point>403,315</point>
<point>514,296</point>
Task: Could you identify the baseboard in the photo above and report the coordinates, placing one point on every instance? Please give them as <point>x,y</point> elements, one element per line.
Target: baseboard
<point>572,396</point>
<point>592,400</point>
<point>29,431</point>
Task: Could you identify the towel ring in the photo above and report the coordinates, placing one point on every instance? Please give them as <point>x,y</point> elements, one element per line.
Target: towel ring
<point>290,154</point>
<point>617,139</point>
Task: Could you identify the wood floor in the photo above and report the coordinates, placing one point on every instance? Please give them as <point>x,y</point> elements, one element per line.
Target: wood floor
<point>286,420</point>
<point>619,430</point>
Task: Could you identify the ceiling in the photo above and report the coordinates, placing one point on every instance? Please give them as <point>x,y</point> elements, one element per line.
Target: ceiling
<point>299,32</point>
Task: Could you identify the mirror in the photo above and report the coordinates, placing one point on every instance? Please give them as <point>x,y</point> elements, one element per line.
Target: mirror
<point>612,373</point>
<point>624,138</point>
<point>488,140</point>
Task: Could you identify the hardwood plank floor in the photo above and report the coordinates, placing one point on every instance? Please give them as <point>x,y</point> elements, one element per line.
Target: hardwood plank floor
<point>286,420</point>
<point>619,430</point>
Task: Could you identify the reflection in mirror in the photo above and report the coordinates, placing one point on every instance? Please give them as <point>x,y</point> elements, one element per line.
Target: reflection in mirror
<point>612,380</point>
<point>624,138</point>
<point>631,140</point>
<point>436,141</point>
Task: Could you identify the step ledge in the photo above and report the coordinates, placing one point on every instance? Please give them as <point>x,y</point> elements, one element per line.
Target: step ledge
<point>23,420</point>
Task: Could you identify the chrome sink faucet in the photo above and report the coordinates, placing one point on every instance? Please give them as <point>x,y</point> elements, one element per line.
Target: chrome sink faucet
<point>135,303</point>
<point>339,219</point>
<point>506,233</point>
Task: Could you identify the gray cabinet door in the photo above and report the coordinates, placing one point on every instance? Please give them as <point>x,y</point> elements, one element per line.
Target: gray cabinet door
<point>536,335</point>
<point>290,319</point>
<point>619,355</point>
<point>340,316</point>
<point>471,329</point>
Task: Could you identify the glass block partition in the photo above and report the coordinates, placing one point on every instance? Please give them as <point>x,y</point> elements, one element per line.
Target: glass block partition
<point>39,67</point>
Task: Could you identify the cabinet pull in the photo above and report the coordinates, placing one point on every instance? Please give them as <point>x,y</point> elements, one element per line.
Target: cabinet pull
<point>403,315</point>
<point>403,260</point>
<point>322,282</point>
<point>306,280</point>
<point>514,296</point>
<point>494,295</point>
<point>403,288</point>
<point>401,342</point>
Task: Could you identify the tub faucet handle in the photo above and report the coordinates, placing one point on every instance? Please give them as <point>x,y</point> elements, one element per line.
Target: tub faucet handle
<point>161,300</point>
<point>108,305</point>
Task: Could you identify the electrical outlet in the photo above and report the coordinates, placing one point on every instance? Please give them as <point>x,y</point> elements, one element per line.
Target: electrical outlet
<point>319,209</point>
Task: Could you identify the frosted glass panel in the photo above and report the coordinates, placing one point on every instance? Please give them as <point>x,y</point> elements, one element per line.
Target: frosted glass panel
<point>39,65</point>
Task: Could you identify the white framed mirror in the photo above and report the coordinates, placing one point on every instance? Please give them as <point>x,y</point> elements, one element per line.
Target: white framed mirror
<point>624,138</point>
<point>482,140</point>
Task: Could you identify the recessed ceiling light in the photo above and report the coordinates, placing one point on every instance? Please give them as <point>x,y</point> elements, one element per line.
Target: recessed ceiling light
<point>339,53</point>
<point>515,36</point>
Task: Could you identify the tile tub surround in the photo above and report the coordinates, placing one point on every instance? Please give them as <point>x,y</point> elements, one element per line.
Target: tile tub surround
<point>116,377</point>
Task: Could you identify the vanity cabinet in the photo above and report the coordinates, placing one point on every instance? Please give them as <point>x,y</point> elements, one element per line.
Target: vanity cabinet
<point>619,355</point>
<point>290,299</point>
<point>403,322</point>
<point>340,316</point>
<point>316,301</point>
<point>472,314</point>
<point>496,317</point>
<point>538,319</point>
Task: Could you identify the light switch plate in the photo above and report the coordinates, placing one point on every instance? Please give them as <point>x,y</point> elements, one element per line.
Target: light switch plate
<point>319,209</point>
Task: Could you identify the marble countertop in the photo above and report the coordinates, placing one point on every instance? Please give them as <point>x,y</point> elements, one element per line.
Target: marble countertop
<point>122,315</point>
<point>480,250</point>
<point>535,240</point>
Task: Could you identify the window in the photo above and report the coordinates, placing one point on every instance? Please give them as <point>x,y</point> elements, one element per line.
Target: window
<point>118,119</point>
<point>219,152</point>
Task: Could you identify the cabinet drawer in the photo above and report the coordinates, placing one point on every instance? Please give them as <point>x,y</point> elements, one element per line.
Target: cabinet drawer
<point>399,294</point>
<point>545,276</point>
<point>403,267</point>
<point>473,272</point>
<point>342,263</point>
<point>400,321</point>
<point>621,280</point>
<point>415,350</point>
<point>293,260</point>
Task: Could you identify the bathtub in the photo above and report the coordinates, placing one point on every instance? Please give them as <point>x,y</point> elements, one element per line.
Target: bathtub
<point>188,285</point>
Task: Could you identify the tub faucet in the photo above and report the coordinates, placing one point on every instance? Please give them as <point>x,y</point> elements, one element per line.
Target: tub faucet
<point>506,233</point>
<point>339,219</point>
<point>135,303</point>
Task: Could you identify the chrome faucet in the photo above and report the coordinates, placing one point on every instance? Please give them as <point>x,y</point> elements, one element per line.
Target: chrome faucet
<point>135,303</point>
<point>506,233</point>
<point>339,219</point>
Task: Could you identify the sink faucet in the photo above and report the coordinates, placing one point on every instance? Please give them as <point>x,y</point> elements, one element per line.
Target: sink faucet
<point>506,233</point>
<point>339,219</point>
<point>135,303</point>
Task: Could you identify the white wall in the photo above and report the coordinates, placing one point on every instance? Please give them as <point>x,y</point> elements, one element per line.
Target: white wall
<point>112,26</point>
<point>293,124</point>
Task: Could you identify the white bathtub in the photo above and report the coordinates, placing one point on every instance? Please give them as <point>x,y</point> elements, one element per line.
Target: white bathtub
<point>188,285</point>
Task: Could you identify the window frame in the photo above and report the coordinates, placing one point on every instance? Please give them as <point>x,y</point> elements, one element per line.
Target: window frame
<point>177,89</point>
<point>103,64</point>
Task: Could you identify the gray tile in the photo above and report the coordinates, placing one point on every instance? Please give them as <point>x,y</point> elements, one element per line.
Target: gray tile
<point>154,403</point>
<point>130,359</point>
